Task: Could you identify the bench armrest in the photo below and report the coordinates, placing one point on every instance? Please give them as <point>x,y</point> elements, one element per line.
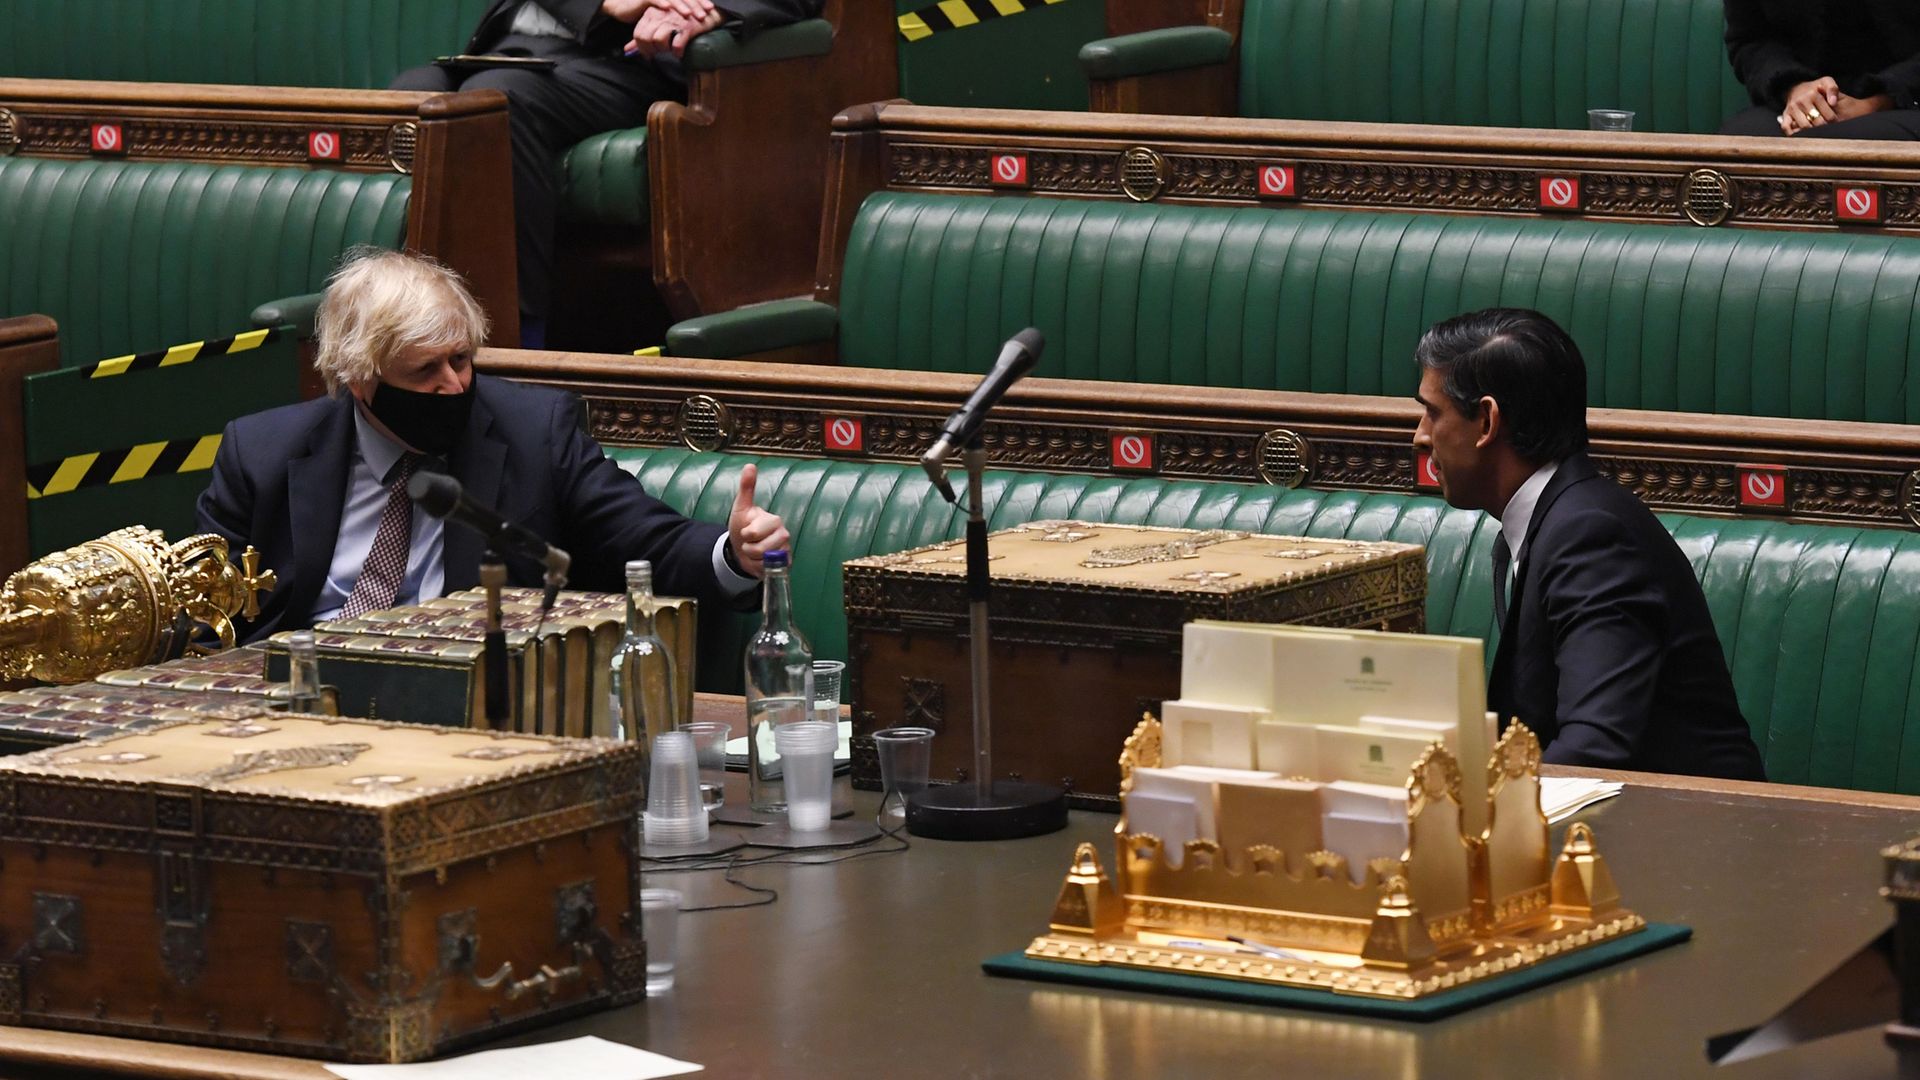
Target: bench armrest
<point>1176,48</point>
<point>295,311</point>
<point>719,49</point>
<point>759,328</point>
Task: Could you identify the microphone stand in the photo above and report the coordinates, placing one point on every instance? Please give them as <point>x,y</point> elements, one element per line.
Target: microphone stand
<point>493,576</point>
<point>985,809</point>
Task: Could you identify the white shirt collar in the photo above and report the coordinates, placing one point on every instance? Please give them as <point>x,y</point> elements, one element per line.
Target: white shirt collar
<point>378,451</point>
<point>1519,512</point>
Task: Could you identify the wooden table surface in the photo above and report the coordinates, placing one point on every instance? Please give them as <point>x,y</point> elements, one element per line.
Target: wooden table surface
<point>871,967</point>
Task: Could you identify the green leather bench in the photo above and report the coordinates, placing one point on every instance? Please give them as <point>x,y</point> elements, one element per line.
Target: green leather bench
<point>607,182</point>
<point>131,258</point>
<point>1745,322</point>
<point>1820,623</point>
<point>1499,63</point>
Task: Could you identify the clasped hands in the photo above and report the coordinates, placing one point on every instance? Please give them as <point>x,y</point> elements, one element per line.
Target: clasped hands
<point>1819,101</point>
<point>663,26</point>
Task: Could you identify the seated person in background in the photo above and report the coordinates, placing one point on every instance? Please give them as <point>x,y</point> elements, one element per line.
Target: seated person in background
<point>1607,650</point>
<point>320,487</point>
<point>612,59</point>
<point>1838,69</point>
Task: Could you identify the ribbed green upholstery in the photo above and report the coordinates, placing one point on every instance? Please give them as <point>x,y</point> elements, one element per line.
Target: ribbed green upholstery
<point>1820,624</point>
<point>1736,321</point>
<point>350,44</point>
<point>604,179</point>
<point>342,43</point>
<point>131,256</point>
<point>1505,63</point>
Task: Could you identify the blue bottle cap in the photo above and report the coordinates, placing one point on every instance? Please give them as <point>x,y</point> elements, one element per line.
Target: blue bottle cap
<point>774,559</point>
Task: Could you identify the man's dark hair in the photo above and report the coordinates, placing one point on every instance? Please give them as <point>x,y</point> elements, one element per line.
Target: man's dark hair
<point>1524,361</point>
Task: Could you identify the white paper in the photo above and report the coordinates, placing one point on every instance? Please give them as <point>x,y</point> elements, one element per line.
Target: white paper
<point>585,1058</point>
<point>1561,797</point>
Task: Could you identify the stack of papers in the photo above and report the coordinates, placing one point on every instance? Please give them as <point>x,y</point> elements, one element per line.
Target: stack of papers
<point>586,1058</point>
<point>1561,797</point>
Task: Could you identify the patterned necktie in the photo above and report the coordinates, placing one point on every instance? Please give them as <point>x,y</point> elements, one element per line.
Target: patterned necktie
<point>386,565</point>
<point>1502,555</point>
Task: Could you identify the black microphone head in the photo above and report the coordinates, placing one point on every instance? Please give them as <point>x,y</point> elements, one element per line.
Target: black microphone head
<point>436,493</point>
<point>1030,342</point>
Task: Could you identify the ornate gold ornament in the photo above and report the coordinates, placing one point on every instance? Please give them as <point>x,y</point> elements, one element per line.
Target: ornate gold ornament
<point>1143,173</point>
<point>9,132</point>
<point>1283,458</point>
<point>1709,197</point>
<point>121,601</point>
<point>402,139</point>
<point>706,424</point>
<point>1452,910</point>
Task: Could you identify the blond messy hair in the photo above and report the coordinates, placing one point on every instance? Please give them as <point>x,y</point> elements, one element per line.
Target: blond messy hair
<point>379,303</point>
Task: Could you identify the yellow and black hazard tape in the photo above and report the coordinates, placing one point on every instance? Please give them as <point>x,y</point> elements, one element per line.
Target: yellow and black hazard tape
<point>180,354</point>
<point>956,14</point>
<point>191,454</point>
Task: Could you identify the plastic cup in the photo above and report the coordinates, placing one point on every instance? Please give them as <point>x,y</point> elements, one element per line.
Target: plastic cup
<point>659,923</point>
<point>674,814</point>
<point>710,752</point>
<point>906,753</point>
<point>1610,119</point>
<point>806,755</point>
<point>827,675</point>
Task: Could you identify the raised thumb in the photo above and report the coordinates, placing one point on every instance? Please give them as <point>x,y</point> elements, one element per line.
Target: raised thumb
<point>743,499</point>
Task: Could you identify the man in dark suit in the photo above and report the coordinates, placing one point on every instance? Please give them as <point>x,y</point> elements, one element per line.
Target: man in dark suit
<point>1836,69</point>
<point>320,487</point>
<point>1607,650</point>
<point>612,59</point>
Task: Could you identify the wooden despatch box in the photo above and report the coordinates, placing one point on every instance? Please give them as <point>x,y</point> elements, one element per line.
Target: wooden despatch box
<point>1085,629</point>
<point>308,885</point>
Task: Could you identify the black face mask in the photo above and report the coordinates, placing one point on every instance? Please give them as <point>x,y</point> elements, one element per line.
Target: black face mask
<point>430,423</point>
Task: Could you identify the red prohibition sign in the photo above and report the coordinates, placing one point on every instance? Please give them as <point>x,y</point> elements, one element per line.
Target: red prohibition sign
<point>843,433</point>
<point>1763,486</point>
<point>1859,203</point>
<point>323,144</point>
<point>1010,169</point>
<point>1133,452</point>
<point>1560,191</point>
<point>1276,180</point>
<point>106,137</point>
<point>1424,473</point>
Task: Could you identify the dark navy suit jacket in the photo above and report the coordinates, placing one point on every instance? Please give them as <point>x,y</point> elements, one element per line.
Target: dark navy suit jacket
<point>1608,652</point>
<point>280,479</point>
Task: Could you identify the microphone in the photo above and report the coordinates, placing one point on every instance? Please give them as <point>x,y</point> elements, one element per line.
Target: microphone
<point>1017,357</point>
<point>443,497</point>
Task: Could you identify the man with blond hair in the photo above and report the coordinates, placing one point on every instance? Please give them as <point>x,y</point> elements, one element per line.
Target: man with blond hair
<point>320,487</point>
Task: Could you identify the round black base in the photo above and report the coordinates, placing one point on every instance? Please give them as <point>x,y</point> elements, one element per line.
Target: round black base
<point>1014,809</point>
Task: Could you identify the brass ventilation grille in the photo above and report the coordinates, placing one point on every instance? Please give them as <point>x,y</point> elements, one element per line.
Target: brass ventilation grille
<point>401,140</point>
<point>1709,197</point>
<point>1143,173</point>
<point>705,424</point>
<point>1284,458</point>
<point>9,131</point>
<point>1910,497</point>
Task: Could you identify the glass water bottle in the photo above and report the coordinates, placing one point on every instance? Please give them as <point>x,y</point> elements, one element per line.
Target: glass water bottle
<point>779,685</point>
<point>303,673</point>
<point>644,703</point>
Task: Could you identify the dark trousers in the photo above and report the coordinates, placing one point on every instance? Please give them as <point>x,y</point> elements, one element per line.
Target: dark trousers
<point>1889,124</point>
<point>585,93</point>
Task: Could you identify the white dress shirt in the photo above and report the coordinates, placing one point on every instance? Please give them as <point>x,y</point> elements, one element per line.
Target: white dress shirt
<point>1518,515</point>
<point>374,456</point>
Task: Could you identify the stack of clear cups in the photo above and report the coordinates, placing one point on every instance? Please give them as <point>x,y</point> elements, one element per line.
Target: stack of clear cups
<point>674,814</point>
<point>806,757</point>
